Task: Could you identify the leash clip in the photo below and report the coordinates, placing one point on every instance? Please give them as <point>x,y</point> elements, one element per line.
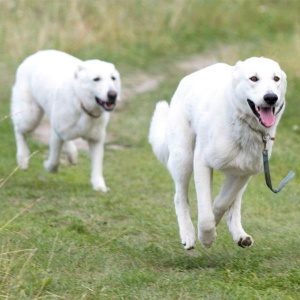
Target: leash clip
<point>265,138</point>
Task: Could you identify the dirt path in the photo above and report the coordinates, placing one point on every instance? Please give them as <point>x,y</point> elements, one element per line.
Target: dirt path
<point>132,85</point>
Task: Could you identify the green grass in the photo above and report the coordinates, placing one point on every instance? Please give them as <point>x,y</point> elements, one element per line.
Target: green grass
<point>61,240</point>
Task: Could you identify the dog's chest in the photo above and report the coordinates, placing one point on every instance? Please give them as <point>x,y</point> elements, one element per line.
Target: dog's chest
<point>85,127</point>
<point>236,158</point>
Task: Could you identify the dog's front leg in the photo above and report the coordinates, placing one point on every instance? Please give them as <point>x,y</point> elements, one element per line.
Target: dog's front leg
<point>203,184</point>
<point>52,164</point>
<point>97,153</point>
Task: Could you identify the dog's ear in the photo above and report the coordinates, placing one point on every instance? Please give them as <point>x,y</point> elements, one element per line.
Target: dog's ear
<point>284,82</point>
<point>238,64</point>
<point>78,71</point>
<point>117,75</point>
<point>283,75</point>
<point>236,69</point>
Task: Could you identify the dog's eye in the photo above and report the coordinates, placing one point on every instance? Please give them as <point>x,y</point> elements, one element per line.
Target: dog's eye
<point>97,79</point>
<point>276,78</point>
<point>113,78</point>
<point>253,78</point>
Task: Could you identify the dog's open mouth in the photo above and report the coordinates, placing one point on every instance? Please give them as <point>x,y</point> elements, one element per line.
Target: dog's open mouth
<point>265,115</point>
<point>106,105</point>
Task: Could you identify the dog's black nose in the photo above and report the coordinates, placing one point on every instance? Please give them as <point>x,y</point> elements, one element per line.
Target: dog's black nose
<point>112,95</point>
<point>270,98</point>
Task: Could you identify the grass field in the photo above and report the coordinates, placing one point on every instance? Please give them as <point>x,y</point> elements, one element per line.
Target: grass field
<point>61,240</point>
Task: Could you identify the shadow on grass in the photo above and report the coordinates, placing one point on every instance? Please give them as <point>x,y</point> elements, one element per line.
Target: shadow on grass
<point>244,260</point>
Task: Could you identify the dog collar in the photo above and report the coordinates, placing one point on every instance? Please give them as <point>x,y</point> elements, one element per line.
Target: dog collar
<point>88,112</point>
<point>261,133</point>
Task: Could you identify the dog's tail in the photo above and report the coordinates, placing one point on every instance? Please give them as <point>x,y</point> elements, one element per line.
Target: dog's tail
<point>157,132</point>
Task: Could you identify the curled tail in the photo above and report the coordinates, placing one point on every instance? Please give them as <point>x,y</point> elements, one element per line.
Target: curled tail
<point>157,132</point>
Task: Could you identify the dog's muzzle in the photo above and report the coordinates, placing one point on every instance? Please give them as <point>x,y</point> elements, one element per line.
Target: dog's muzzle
<point>266,114</point>
<point>270,98</point>
<point>110,104</point>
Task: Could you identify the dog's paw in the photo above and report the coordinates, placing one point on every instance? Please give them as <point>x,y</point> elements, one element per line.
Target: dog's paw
<point>245,241</point>
<point>23,165</point>
<point>51,168</point>
<point>23,161</point>
<point>207,233</point>
<point>98,184</point>
<point>187,234</point>
<point>188,239</point>
<point>207,237</point>
<point>101,188</point>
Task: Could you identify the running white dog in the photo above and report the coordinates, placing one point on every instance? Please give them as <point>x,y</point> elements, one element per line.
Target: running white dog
<point>77,97</point>
<point>216,120</point>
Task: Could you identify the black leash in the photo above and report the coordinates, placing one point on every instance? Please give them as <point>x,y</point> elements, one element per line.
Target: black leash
<point>285,180</point>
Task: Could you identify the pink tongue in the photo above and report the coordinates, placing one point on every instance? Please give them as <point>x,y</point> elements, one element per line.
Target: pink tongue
<point>267,117</point>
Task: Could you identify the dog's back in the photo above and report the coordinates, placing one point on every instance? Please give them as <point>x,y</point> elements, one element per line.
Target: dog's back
<point>41,73</point>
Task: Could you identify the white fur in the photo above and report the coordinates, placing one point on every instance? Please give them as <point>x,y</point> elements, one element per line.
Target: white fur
<point>210,125</point>
<point>66,89</point>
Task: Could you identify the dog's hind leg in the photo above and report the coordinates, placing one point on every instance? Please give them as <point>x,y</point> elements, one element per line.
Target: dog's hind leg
<point>23,152</point>
<point>203,184</point>
<point>230,199</point>
<point>26,115</point>
<point>180,166</point>
<point>231,188</point>
<point>72,153</point>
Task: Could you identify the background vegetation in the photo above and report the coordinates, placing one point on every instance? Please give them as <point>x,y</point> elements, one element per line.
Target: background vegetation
<point>61,240</point>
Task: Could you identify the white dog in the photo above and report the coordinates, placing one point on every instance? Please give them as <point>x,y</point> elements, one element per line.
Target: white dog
<point>77,96</point>
<point>216,120</point>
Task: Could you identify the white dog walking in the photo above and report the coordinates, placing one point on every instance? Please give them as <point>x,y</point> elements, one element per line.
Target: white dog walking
<point>216,120</point>
<point>77,97</point>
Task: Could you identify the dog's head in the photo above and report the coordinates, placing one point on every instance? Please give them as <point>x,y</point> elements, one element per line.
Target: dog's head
<point>260,85</point>
<point>98,83</point>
